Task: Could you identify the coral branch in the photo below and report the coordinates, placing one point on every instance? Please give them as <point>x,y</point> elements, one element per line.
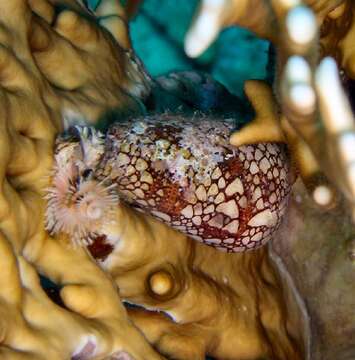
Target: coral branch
<point>32,326</point>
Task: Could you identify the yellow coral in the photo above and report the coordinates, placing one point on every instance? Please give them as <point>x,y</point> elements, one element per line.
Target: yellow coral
<point>229,306</point>
<point>32,326</point>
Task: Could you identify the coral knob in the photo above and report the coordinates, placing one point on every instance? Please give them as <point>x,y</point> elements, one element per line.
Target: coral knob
<point>161,283</point>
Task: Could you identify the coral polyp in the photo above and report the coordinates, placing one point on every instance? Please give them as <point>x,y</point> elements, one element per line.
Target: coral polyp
<point>185,173</point>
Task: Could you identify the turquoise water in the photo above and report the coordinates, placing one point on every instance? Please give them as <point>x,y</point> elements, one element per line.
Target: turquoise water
<point>158,33</point>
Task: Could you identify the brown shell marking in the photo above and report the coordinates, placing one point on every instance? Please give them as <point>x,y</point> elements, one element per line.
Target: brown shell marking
<point>185,173</point>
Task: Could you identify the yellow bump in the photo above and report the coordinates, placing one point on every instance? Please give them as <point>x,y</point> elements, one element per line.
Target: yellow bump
<point>198,209</point>
<point>207,182</point>
<point>229,208</point>
<point>197,220</point>
<point>145,187</point>
<point>236,186</point>
<point>216,173</point>
<point>146,177</point>
<point>219,198</point>
<point>141,164</point>
<point>161,283</point>
<point>221,183</point>
<point>187,211</point>
<point>185,153</point>
<point>125,147</point>
<point>130,170</point>
<point>151,202</point>
<point>213,190</point>
<point>216,221</point>
<point>201,193</point>
<point>232,227</point>
<point>139,193</point>
<point>162,143</point>
<point>123,159</point>
<point>209,209</point>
